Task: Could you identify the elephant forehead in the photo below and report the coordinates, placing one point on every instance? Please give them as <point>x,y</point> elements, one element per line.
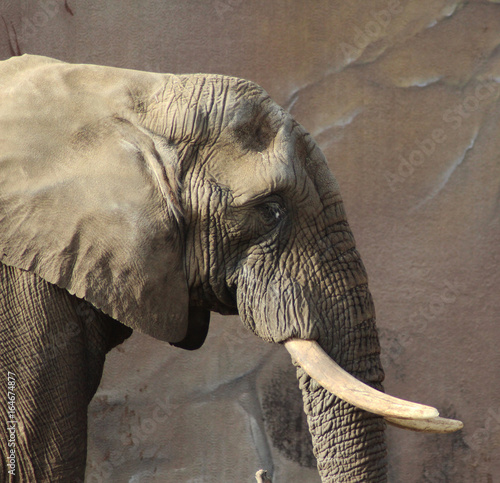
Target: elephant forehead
<point>291,163</point>
<point>263,174</point>
<point>255,175</point>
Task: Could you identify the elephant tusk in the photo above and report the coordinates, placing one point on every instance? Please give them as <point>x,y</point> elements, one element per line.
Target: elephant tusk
<point>434,425</point>
<point>322,368</point>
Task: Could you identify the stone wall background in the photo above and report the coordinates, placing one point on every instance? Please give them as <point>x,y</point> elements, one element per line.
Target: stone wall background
<point>402,96</point>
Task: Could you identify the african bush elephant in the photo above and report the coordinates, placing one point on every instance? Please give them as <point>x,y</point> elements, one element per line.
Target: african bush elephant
<point>143,201</point>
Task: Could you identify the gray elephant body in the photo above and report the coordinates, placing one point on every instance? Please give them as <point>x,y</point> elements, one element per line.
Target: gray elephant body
<point>149,200</point>
<point>54,345</point>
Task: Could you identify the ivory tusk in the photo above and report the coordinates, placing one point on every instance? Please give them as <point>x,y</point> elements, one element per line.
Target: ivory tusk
<point>322,368</point>
<point>435,425</point>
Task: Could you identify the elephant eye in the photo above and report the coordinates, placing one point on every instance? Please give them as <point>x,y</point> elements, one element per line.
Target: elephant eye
<point>272,213</point>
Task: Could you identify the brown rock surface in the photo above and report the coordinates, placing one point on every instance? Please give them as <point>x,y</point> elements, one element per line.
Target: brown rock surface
<point>403,99</point>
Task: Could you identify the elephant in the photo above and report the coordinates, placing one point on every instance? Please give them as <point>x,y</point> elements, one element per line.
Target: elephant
<point>133,200</point>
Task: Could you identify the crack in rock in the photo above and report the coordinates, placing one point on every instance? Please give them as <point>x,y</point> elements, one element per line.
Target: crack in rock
<point>447,174</point>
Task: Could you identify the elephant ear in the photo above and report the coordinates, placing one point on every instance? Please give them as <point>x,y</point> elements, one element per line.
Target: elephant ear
<point>89,200</point>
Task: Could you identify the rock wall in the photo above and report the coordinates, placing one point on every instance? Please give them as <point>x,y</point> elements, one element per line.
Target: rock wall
<point>402,96</point>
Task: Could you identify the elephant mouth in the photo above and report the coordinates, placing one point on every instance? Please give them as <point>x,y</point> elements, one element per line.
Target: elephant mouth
<point>397,412</point>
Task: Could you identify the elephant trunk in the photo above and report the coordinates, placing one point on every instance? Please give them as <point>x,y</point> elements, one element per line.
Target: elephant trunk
<point>318,292</point>
<point>325,299</point>
<point>348,442</point>
<point>341,384</point>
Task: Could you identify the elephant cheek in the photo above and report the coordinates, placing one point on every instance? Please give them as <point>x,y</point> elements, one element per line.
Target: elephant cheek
<point>277,311</point>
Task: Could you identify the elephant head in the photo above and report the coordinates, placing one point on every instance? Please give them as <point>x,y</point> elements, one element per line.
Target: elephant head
<point>159,198</point>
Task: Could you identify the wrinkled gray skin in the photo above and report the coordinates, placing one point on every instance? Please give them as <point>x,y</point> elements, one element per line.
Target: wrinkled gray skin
<point>156,199</point>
